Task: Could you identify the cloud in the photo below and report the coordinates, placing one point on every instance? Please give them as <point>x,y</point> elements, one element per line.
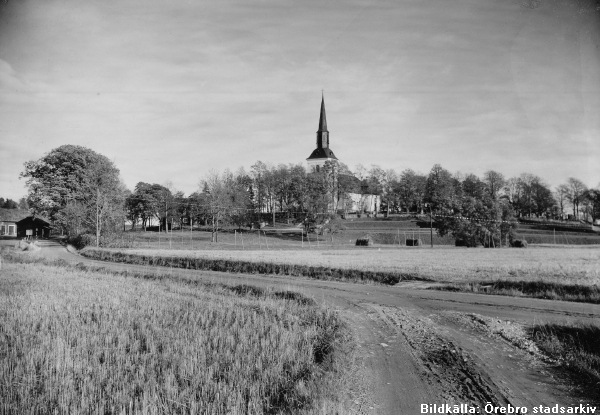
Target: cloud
<point>174,90</point>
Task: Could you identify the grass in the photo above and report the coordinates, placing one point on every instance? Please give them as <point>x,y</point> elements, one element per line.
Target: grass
<point>84,341</point>
<point>576,349</point>
<point>533,289</point>
<point>188,260</point>
<point>579,266</point>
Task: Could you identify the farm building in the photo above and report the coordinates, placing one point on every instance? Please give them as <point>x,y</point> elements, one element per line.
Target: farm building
<point>21,223</point>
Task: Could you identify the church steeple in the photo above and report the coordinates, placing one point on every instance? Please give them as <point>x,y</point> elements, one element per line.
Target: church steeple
<point>322,118</point>
<point>322,134</point>
<point>322,153</point>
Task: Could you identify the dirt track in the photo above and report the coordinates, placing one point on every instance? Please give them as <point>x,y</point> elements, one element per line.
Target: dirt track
<point>418,346</point>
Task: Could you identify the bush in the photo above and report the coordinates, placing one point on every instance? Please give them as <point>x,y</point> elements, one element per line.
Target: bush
<point>519,243</point>
<point>81,241</point>
<point>414,242</point>
<point>364,241</point>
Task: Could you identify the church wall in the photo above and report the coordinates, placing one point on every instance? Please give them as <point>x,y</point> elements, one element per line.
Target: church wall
<point>361,203</point>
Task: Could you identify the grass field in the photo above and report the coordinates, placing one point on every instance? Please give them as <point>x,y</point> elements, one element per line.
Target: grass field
<point>568,265</point>
<point>77,341</point>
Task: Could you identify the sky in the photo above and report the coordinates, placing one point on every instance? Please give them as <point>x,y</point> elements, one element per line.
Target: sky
<point>172,90</point>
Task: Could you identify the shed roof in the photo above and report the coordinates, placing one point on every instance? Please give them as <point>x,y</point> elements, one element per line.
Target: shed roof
<point>16,215</point>
<point>30,219</point>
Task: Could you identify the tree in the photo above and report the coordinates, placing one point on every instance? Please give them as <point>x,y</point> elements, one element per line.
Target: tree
<point>593,198</point>
<point>382,182</point>
<point>78,189</point>
<point>410,189</point>
<point>23,203</point>
<point>561,196</point>
<point>473,187</point>
<point>494,183</point>
<point>265,187</point>
<point>299,187</point>
<point>221,197</point>
<point>345,185</point>
<point>576,192</point>
<point>543,200</point>
<point>333,225</point>
<point>8,204</point>
<point>319,188</point>
<point>440,189</point>
<point>283,181</point>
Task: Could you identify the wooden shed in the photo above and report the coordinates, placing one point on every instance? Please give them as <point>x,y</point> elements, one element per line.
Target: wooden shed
<point>33,227</point>
<point>21,223</point>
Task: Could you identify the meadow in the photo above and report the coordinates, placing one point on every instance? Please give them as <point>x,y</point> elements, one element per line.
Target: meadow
<point>564,265</point>
<point>86,341</point>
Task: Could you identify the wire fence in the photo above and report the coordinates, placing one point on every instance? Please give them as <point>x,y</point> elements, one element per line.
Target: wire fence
<point>295,238</point>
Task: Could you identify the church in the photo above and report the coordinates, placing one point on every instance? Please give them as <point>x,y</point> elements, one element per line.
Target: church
<point>359,201</point>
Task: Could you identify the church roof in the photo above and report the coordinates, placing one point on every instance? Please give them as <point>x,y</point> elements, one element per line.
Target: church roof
<point>322,118</point>
<point>322,153</point>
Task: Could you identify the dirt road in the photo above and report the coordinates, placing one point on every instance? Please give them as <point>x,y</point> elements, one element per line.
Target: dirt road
<point>420,347</point>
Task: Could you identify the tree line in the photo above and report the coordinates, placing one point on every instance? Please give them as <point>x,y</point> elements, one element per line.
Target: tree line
<point>82,193</point>
<point>11,204</point>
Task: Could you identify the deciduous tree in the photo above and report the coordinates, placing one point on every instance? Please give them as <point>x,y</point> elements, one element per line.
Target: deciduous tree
<point>85,181</point>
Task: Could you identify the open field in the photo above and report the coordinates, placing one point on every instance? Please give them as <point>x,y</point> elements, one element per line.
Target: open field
<point>78,341</point>
<point>415,345</point>
<point>575,265</point>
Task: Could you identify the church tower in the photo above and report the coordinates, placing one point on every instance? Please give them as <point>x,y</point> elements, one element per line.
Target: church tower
<point>322,153</point>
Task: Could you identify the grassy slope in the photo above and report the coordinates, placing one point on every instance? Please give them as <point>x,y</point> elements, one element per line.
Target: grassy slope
<point>78,341</point>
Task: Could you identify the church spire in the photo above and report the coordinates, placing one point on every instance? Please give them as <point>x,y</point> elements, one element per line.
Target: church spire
<point>322,118</point>
<point>322,153</point>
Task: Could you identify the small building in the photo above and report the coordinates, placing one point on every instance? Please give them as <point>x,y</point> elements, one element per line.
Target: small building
<point>9,219</point>
<point>21,223</point>
<point>33,227</point>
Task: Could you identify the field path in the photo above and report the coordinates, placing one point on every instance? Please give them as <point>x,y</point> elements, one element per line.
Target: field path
<point>418,346</point>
